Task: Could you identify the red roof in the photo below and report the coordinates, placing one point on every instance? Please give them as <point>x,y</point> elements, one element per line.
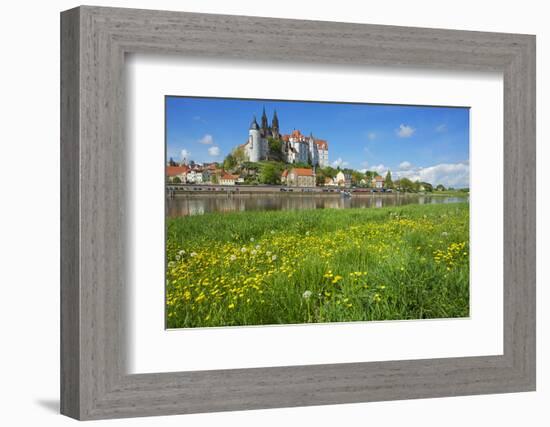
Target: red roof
<point>378,178</point>
<point>285,173</point>
<point>229,176</point>
<point>176,170</point>
<point>322,144</point>
<point>302,172</point>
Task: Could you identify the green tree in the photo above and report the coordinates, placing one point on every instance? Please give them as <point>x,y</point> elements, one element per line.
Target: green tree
<point>269,174</point>
<point>230,162</point>
<point>329,171</point>
<point>427,187</point>
<point>388,183</point>
<point>176,180</point>
<point>406,185</point>
<point>275,145</point>
<point>356,177</point>
<point>440,187</point>
<point>238,155</point>
<point>215,179</point>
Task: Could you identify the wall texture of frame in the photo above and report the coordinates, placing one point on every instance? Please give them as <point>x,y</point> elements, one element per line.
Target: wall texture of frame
<point>94,382</point>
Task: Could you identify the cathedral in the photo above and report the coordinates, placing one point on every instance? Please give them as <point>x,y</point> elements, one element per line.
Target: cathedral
<point>295,147</point>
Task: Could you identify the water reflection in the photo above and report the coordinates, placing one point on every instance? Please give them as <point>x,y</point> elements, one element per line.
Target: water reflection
<point>200,204</point>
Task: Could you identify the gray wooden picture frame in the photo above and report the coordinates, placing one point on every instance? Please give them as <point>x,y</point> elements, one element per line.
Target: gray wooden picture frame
<point>94,381</point>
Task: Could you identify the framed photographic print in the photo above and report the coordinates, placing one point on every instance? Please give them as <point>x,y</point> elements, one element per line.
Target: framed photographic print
<point>261,213</point>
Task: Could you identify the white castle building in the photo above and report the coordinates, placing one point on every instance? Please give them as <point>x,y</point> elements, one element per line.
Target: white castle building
<point>296,148</point>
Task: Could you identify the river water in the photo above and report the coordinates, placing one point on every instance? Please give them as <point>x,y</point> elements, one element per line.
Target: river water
<point>200,204</point>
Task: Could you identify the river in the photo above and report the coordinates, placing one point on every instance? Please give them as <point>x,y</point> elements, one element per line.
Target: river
<point>186,205</point>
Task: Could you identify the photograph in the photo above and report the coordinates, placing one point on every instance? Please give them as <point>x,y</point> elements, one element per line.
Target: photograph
<point>293,212</point>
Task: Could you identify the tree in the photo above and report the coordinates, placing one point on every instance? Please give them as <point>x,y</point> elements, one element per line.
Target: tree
<point>440,187</point>
<point>406,185</point>
<point>270,174</point>
<point>388,183</point>
<point>275,145</point>
<point>171,162</point>
<point>427,186</point>
<point>229,163</point>
<point>238,155</point>
<point>215,179</point>
<point>329,171</point>
<point>176,180</point>
<point>356,177</point>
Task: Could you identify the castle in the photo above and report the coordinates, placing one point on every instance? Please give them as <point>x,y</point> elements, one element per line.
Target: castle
<point>295,147</point>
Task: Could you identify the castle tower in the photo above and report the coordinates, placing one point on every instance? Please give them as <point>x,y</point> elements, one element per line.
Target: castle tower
<point>313,153</point>
<point>275,125</point>
<point>254,140</point>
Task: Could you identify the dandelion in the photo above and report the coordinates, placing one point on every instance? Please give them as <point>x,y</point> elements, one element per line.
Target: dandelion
<point>307,233</point>
<point>444,234</point>
<point>268,253</point>
<point>274,257</point>
<point>181,253</point>
<point>336,279</point>
<point>243,249</point>
<point>252,239</point>
<point>233,257</point>
<point>171,264</point>
<point>272,232</point>
<point>254,251</point>
<point>193,254</point>
<point>257,247</point>
<point>306,295</point>
<point>178,257</point>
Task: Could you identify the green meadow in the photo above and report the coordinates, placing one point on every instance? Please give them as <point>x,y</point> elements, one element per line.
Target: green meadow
<point>311,266</point>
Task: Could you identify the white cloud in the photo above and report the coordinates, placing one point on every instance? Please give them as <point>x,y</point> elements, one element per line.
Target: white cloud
<point>371,136</point>
<point>381,169</point>
<point>449,174</point>
<point>185,154</point>
<point>207,139</point>
<point>405,131</point>
<point>441,128</point>
<point>405,166</point>
<point>214,151</point>
<point>339,163</point>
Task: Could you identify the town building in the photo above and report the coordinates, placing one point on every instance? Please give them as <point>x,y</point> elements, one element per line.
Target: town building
<point>295,147</point>
<point>179,172</point>
<point>299,177</point>
<point>228,179</point>
<point>194,176</point>
<point>378,182</point>
<point>343,179</point>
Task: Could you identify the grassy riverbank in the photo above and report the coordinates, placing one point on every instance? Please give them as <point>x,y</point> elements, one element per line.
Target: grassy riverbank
<point>281,267</point>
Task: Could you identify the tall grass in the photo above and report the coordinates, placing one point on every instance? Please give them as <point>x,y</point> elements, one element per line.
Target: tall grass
<point>307,266</point>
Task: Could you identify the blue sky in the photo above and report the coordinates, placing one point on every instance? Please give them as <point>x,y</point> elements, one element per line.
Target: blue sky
<point>426,143</point>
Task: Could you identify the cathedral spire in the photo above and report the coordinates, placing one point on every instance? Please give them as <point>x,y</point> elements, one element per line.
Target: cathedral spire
<point>275,120</point>
<point>264,120</point>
